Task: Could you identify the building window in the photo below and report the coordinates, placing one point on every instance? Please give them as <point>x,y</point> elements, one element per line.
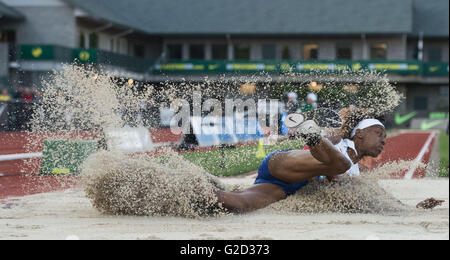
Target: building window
<point>197,52</point>
<point>118,45</point>
<point>378,51</point>
<point>268,52</point>
<point>81,41</point>
<point>219,52</point>
<point>344,51</point>
<point>241,52</point>
<point>434,53</point>
<point>420,103</point>
<point>139,50</point>
<point>310,51</point>
<point>93,40</point>
<point>415,53</point>
<point>9,37</point>
<point>286,53</point>
<point>174,51</point>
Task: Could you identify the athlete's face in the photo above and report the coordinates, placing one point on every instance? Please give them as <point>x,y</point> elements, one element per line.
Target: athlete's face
<point>373,140</point>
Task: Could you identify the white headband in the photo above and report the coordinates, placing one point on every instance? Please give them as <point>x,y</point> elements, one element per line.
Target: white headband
<point>365,124</point>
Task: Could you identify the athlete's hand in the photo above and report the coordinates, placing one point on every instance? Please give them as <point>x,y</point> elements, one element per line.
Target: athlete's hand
<point>344,114</point>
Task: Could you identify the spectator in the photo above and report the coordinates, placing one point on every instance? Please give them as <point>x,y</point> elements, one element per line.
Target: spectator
<point>28,95</point>
<point>19,94</point>
<point>36,93</point>
<point>310,103</point>
<point>292,104</point>
<point>4,96</point>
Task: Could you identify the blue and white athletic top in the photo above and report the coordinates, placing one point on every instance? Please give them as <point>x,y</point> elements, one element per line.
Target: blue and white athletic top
<point>342,148</point>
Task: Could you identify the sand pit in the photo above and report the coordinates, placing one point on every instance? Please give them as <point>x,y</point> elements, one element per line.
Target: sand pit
<point>70,215</point>
<point>143,198</point>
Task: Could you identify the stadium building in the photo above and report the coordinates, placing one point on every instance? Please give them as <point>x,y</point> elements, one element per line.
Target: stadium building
<point>152,40</point>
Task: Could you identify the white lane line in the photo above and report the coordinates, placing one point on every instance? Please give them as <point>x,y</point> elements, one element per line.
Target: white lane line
<point>163,144</point>
<point>19,156</point>
<point>419,157</point>
<point>22,156</point>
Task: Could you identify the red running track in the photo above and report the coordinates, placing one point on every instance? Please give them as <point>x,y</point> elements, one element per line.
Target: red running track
<point>404,146</point>
<point>20,185</point>
<point>18,142</point>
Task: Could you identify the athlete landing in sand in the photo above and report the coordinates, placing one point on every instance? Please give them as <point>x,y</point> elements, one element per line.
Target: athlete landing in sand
<point>284,172</point>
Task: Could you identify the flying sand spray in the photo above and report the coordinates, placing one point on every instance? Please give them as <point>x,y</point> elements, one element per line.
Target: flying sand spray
<point>167,184</point>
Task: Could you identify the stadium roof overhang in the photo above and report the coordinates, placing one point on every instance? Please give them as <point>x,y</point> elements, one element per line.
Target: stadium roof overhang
<point>9,14</point>
<point>294,17</point>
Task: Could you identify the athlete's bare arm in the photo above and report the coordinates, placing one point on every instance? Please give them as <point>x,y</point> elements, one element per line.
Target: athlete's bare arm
<point>298,166</point>
<point>292,166</point>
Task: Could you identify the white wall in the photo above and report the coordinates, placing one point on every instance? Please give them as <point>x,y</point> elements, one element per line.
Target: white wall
<point>3,59</point>
<point>47,22</point>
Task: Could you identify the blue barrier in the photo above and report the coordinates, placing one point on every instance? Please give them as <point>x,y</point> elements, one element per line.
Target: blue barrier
<point>225,130</point>
<point>284,129</point>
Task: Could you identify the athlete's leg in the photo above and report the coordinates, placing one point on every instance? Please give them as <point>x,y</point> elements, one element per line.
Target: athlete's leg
<point>291,167</point>
<point>255,197</point>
